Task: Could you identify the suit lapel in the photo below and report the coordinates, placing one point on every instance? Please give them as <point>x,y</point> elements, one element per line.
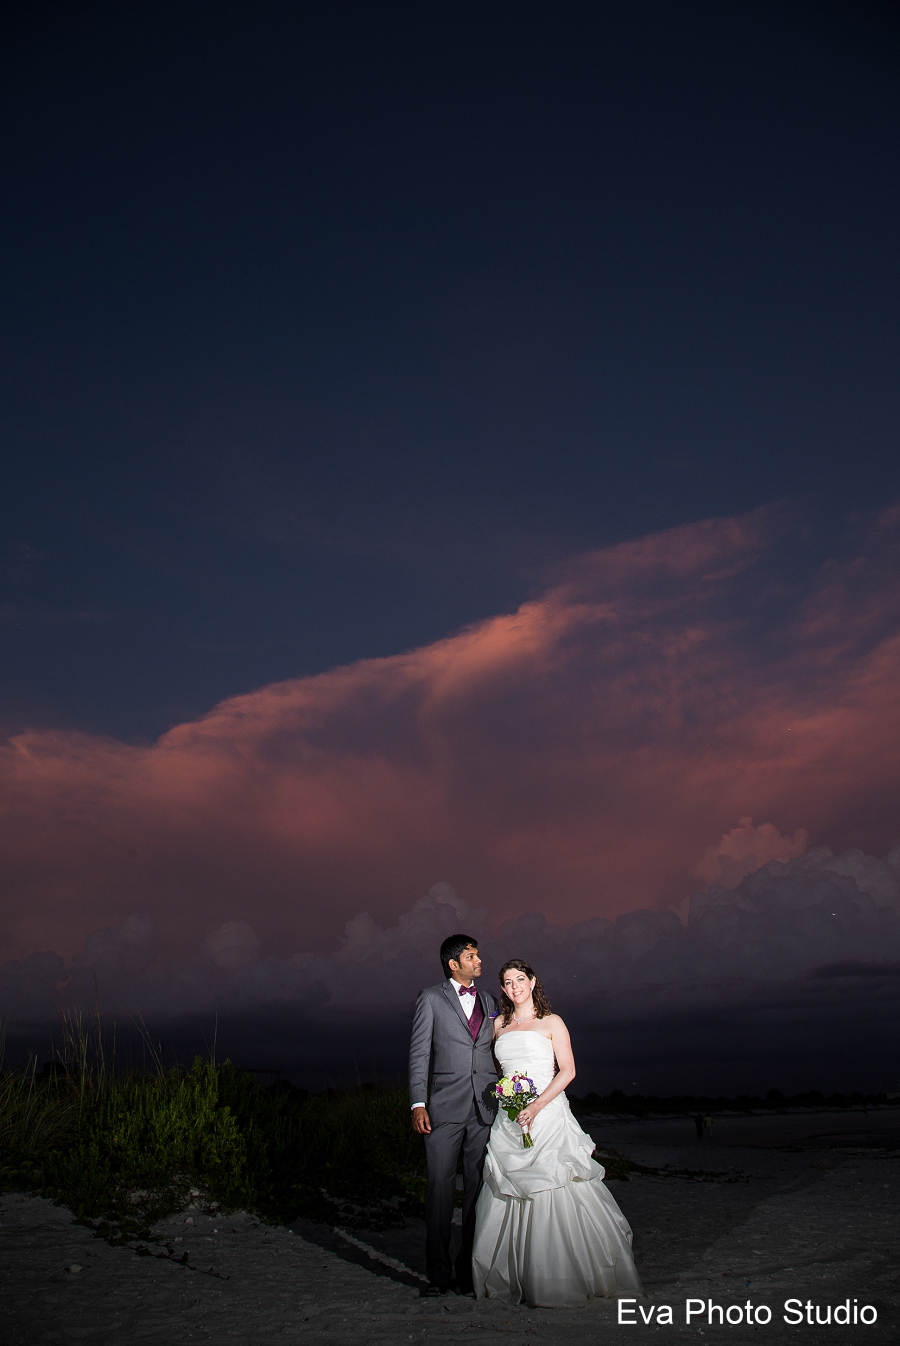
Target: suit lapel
<point>453,998</point>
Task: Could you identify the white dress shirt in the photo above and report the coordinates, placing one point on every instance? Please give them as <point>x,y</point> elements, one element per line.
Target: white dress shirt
<point>467,1003</point>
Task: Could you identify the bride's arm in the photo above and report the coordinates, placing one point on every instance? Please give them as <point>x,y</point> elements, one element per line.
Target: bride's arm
<point>562,1047</point>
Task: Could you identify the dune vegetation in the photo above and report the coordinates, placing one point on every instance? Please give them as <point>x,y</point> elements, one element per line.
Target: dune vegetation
<point>124,1147</point>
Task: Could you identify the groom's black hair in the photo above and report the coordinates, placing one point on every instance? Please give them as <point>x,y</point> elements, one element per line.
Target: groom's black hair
<point>452,947</point>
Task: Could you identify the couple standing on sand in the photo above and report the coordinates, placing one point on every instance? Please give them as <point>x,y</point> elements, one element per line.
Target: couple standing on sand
<point>538,1224</point>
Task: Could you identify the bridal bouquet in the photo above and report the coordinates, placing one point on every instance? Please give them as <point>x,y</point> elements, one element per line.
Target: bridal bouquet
<point>515,1092</point>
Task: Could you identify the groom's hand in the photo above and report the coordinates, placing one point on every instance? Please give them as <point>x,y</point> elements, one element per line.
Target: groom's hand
<point>420,1121</point>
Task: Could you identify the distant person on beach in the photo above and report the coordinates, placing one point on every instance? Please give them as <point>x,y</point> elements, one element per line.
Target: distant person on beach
<point>451,1074</point>
<point>707,1126</point>
<point>698,1124</point>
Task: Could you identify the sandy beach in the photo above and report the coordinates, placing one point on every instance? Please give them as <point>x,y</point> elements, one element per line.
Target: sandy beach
<point>796,1206</point>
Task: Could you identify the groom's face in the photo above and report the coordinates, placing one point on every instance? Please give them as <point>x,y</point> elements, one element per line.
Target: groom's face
<point>467,966</point>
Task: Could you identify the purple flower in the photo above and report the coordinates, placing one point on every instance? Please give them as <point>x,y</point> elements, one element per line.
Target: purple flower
<point>518,1086</point>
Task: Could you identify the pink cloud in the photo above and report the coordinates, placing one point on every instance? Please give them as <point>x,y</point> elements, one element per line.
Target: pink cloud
<point>576,756</point>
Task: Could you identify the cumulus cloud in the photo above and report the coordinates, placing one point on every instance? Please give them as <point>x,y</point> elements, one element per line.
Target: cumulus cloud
<point>745,849</point>
<point>574,757</point>
<point>784,979</point>
<point>788,918</point>
<point>233,945</point>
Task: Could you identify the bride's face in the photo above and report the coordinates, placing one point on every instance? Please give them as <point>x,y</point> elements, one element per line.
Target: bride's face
<point>517,986</point>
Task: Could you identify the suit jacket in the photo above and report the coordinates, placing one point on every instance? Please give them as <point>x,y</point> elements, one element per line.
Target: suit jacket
<point>444,1058</point>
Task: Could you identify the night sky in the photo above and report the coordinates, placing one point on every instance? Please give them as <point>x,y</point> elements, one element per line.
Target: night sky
<point>453,451</point>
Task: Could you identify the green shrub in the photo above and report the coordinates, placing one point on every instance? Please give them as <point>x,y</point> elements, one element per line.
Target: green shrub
<point>141,1143</point>
<point>134,1147</point>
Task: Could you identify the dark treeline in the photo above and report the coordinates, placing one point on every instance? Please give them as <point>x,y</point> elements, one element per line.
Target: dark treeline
<point>641,1105</point>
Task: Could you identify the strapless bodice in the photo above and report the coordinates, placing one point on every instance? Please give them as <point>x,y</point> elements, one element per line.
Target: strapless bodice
<point>561,1152</point>
<point>528,1052</point>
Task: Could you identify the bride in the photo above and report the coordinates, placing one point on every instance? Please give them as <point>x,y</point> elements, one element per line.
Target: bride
<point>547,1230</point>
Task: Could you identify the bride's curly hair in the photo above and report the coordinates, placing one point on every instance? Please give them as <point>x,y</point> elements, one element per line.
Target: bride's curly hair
<point>539,996</point>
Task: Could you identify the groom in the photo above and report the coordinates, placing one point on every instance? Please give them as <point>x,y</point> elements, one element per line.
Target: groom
<point>451,1052</point>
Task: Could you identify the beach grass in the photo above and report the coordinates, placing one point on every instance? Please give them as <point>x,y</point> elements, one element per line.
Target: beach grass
<point>34,1118</point>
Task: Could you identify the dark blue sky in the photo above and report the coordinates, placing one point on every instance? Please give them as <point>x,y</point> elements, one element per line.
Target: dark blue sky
<point>328,328</point>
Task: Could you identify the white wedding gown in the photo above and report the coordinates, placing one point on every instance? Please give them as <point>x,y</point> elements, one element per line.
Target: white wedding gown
<point>547,1229</point>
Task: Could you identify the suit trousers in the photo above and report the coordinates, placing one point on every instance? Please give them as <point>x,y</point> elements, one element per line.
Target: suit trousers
<point>442,1152</point>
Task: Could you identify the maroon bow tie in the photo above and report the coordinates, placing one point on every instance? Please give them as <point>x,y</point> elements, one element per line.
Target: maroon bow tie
<point>467,990</point>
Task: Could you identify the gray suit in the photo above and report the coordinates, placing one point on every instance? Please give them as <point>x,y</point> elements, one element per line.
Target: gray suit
<point>459,1073</point>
